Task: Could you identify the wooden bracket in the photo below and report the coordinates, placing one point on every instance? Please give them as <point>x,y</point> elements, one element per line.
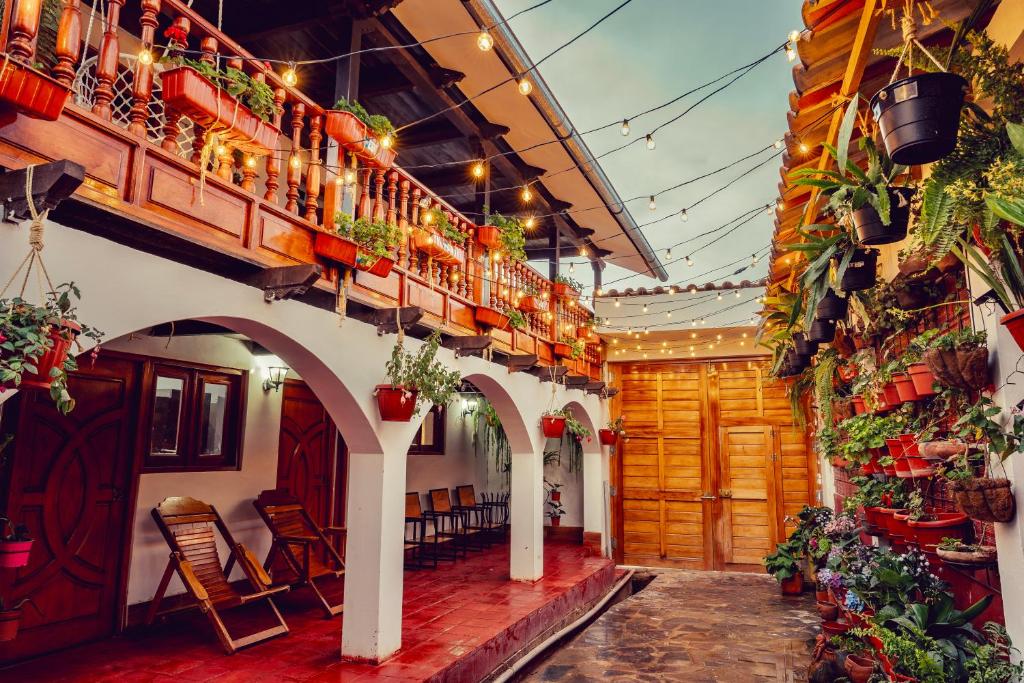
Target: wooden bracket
<point>387,322</point>
<point>576,381</point>
<point>52,183</point>
<point>467,346</point>
<point>610,391</point>
<point>517,362</point>
<point>286,282</point>
<point>547,374</point>
<point>594,387</point>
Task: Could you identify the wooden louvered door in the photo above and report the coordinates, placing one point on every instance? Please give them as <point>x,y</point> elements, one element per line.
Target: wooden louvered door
<point>712,466</point>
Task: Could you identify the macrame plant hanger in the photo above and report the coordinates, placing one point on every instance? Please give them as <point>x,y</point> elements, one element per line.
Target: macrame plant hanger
<point>34,257</point>
<point>909,27</point>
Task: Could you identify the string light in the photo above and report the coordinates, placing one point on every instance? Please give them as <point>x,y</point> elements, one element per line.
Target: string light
<point>702,321</point>
<point>572,267</point>
<point>650,141</point>
<point>485,41</point>
<point>350,176</point>
<point>646,331</point>
<point>386,141</point>
<point>294,161</point>
<point>583,251</point>
<point>645,308</point>
<point>790,53</point>
<point>617,303</point>
<point>250,162</point>
<point>719,297</point>
<point>145,57</point>
<point>525,86</point>
<point>689,262</point>
<point>737,294</point>
<point>778,144</point>
<point>222,150</point>
<point>753,259</point>
<point>599,292</point>
<point>668,314</point>
<point>668,254</point>
<point>290,78</point>
<point>530,222</point>
<point>684,216</point>
<point>625,127</point>
<point>804,149</point>
<point>652,205</point>
<point>527,195</point>
<point>478,169</point>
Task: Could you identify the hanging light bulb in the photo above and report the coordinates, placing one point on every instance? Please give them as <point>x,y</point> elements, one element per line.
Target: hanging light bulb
<point>646,331</point>
<point>424,203</point>
<point>693,289</point>
<point>583,251</point>
<point>530,222</point>
<point>145,56</point>
<point>702,321</point>
<point>527,195</point>
<point>290,78</point>
<point>386,141</point>
<point>478,169</point>
<point>684,216</point>
<point>598,292</point>
<point>525,86</point>
<point>250,162</point>
<point>484,41</point>
<point>693,323</point>
<point>778,144</point>
<point>350,176</point>
<point>650,141</point>
<point>689,261</point>
<point>794,36</point>
<point>719,337</point>
<point>719,297</point>
<point>645,308</point>
<point>782,205</point>
<point>804,149</point>
<point>753,259</point>
<point>625,127</point>
<point>790,53</point>
<point>693,335</point>
<point>294,161</point>
<point>668,254</point>
<point>221,150</point>
<point>668,314</point>
<point>652,205</point>
<point>617,304</point>
<point>572,267</point>
<point>744,335</point>
<point>737,294</point>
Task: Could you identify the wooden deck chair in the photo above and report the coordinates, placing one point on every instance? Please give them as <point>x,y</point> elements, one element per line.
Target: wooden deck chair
<point>300,551</point>
<point>440,543</point>
<point>188,527</point>
<point>489,515</point>
<point>467,530</point>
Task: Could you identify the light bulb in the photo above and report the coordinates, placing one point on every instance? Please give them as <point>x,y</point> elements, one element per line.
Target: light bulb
<point>719,337</point>
<point>719,297</point>
<point>646,331</point>
<point>625,127</point>
<point>290,77</point>
<point>702,321</point>
<point>583,251</point>
<point>428,218</point>
<point>221,150</point>
<point>386,141</point>
<point>350,177</point>
<point>790,53</point>
<point>527,195</point>
<point>617,304</point>
<point>645,308</point>
<point>424,203</point>
<point>684,216</point>
<point>737,294</point>
<point>294,161</point>
<point>484,41</point>
<point>668,254</point>
<point>250,162</point>
<point>598,292</point>
<point>794,36</point>
<point>478,169</point>
<point>652,205</point>
<point>693,290</point>
<point>689,262</point>
<point>692,353</point>
<point>145,57</point>
<point>743,343</point>
<point>693,335</point>
<point>781,204</point>
<point>804,149</point>
<point>668,314</point>
<point>744,335</point>
<point>693,323</point>
<point>778,144</point>
<point>753,259</point>
<point>572,267</point>
<point>650,141</point>
<point>525,87</point>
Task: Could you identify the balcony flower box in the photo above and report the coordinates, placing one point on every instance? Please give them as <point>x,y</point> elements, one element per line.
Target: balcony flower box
<point>533,304</point>
<point>489,236</point>
<point>489,317</point>
<point>335,248</point>
<point>352,134</point>
<point>587,335</point>
<point>23,90</point>
<point>188,92</point>
<point>438,247</point>
<point>563,350</point>
<point>374,265</point>
<point>564,291</point>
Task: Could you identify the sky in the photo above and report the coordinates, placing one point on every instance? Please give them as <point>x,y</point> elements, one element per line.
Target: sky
<point>646,54</point>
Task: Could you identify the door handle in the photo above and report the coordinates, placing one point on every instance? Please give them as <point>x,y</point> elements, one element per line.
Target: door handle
<point>708,496</point>
<point>725,493</point>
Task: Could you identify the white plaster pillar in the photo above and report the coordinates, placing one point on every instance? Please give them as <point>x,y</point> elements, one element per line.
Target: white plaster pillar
<point>372,629</point>
<point>527,516</point>
<point>595,474</point>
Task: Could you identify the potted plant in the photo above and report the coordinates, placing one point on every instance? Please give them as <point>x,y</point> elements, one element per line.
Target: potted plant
<point>29,91</point>
<point>955,551</point>
<point>831,307</point>
<point>569,348</point>
<point>917,370</point>
<point>531,301</point>
<point>555,512</point>
<point>995,659</point>
<point>15,546</point>
<point>440,240</point>
<point>504,235</point>
<point>566,288</point>
<point>959,359</point>
<point>365,244</point>
<point>228,101</point>
<point>552,423</point>
<point>415,377</point>
<point>10,618</point>
<point>554,491</point>
<point>368,136</point>
<point>616,428</point>
<point>784,566</point>
<point>36,340</point>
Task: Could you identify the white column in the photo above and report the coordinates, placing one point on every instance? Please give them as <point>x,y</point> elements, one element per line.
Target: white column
<point>372,629</point>
<point>527,517</point>
<point>595,473</point>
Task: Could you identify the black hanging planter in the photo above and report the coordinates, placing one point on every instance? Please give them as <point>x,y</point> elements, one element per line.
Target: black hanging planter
<point>804,346</point>
<point>822,331</point>
<point>870,229</point>
<point>919,116</point>
<point>860,272</point>
<point>831,307</point>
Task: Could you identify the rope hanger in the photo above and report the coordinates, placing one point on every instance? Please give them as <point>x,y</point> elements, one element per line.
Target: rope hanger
<point>35,252</point>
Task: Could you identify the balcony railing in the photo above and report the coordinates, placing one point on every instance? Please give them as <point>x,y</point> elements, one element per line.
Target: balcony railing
<point>154,166</point>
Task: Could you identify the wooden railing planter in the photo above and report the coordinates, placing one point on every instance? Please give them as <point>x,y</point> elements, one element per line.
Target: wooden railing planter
<point>348,131</point>
<point>24,90</point>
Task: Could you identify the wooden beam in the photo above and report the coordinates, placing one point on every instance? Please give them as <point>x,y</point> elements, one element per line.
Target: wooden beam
<point>386,319</point>
<point>286,282</point>
<point>436,132</point>
<point>610,391</point>
<point>377,81</point>
<point>516,362</point>
<point>52,183</point>
<point>594,387</point>
<point>468,346</point>
<point>576,381</point>
<point>549,374</point>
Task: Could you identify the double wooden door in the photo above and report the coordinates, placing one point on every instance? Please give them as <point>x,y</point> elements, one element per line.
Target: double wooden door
<point>712,465</point>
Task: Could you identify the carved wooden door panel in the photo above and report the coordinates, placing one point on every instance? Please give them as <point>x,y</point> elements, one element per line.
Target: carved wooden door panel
<point>305,454</point>
<point>70,482</point>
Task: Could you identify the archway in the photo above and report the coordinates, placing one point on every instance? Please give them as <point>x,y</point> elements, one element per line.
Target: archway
<point>596,512</point>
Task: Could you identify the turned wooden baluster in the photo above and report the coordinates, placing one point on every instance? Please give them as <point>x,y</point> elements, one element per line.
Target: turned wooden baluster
<point>365,203</point>
<point>493,286</point>
<point>273,161</point>
<point>313,169</point>
<point>106,63</point>
<point>379,207</point>
<point>69,41</point>
<point>428,265</point>
<point>24,27</point>
<point>403,222</point>
<point>414,221</point>
<point>470,273</point>
<point>463,268</point>
<point>294,176</point>
<point>444,269</point>
<point>142,83</point>
<point>391,211</point>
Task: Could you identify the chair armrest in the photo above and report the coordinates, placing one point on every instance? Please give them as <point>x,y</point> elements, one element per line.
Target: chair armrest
<point>335,529</point>
<point>255,572</point>
<point>296,539</point>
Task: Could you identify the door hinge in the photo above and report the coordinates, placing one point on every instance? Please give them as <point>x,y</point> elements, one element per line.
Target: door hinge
<point>612,491</point>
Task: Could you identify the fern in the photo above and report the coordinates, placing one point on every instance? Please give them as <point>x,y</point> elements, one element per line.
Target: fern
<point>824,391</point>
<point>936,229</point>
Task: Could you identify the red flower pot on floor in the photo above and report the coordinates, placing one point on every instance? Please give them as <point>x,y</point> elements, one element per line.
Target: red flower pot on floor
<point>395,403</point>
<point>794,585</point>
<point>892,395</point>
<point>859,669</point>
<point>553,426</point>
<point>929,533</point>
<point>489,236</point>
<point>899,532</point>
<point>875,521</point>
<point>607,437</point>
<point>61,338</point>
<point>834,628</point>
<point>922,378</point>
<point>14,553</point>
<point>32,93</point>
<point>556,521</point>
<point>1014,323</point>
<point>9,622</point>
<point>858,405</point>
<point>905,387</point>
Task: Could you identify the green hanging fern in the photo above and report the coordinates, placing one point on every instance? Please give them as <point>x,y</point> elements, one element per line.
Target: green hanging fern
<point>824,390</point>
<point>936,230</point>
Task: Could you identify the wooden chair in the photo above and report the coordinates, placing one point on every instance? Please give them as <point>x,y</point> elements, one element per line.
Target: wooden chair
<point>491,515</point>
<point>441,542</point>
<point>467,527</point>
<point>188,527</point>
<point>300,550</point>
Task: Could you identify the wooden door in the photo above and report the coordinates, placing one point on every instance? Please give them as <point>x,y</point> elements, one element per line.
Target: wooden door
<point>305,453</point>
<point>747,521</point>
<point>71,482</point>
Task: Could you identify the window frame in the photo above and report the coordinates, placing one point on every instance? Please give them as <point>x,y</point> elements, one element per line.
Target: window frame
<point>439,414</point>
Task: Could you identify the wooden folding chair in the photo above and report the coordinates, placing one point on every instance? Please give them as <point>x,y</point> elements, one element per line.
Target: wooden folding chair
<point>489,515</point>
<point>188,526</point>
<point>441,542</point>
<point>300,553</point>
<point>467,529</point>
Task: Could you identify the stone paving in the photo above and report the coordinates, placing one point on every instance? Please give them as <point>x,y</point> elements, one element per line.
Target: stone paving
<point>693,627</point>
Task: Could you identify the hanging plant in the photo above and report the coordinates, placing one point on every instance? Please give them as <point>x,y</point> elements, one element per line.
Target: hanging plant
<point>413,377</point>
<point>490,434</point>
<point>504,233</point>
<point>369,136</point>
<point>573,436</point>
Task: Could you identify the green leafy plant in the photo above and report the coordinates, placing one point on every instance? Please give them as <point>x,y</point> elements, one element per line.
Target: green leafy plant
<point>438,219</point>
<point>512,236</point>
<point>378,124</point>
<point>516,319</point>
<point>378,238</point>
<point>865,433</point>
<point>422,372</point>
<point>618,425</point>
<point>784,563</point>
<point>992,661</point>
<point>257,96</point>
<point>555,509</point>
<point>577,346</point>
<point>949,629</point>
<point>490,434</point>
<point>977,425</point>
<point>568,281</point>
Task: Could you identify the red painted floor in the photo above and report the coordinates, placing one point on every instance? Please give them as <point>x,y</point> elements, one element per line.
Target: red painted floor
<point>460,621</point>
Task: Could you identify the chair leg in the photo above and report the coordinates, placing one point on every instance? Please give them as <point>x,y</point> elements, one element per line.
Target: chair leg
<point>329,609</point>
<point>154,605</point>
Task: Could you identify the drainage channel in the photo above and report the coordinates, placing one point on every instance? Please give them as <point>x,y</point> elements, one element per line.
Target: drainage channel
<point>526,663</point>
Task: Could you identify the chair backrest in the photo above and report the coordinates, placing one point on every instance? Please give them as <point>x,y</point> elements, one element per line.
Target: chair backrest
<point>188,525</point>
<point>412,504</point>
<point>284,514</point>
<point>467,495</point>
<point>440,500</point>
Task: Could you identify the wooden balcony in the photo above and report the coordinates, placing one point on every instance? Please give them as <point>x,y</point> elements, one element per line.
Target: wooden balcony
<point>245,211</point>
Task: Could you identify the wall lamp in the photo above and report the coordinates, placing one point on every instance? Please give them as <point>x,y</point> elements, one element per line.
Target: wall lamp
<point>273,377</point>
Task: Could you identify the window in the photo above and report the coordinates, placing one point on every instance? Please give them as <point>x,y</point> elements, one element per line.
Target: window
<point>195,418</point>
<point>429,440</point>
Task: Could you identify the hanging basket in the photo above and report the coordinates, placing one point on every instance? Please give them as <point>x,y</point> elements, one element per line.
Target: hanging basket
<point>352,134</point>
<point>607,437</point>
<point>24,90</point>
<point>831,307</point>
<point>870,228</point>
<point>14,553</point>
<point>985,500</point>
<point>919,116</point>
<point>489,317</point>
<point>822,331</point>
<point>61,338</point>
<point>983,556</point>
<point>860,272</point>
<point>804,346</point>
<point>395,403</point>
<point>553,426</point>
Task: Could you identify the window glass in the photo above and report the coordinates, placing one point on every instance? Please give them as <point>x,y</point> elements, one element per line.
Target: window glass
<point>214,417</point>
<point>167,416</point>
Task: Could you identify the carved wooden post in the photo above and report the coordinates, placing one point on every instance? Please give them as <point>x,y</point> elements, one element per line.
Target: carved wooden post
<point>249,173</point>
<point>106,64</point>
<point>403,221</point>
<point>171,129</point>
<point>142,84</point>
<point>414,221</point>
<point>313,170</point>
<point>69,42</point>
<point>295,159</point>
<point>273,162</point>
<point>470,274</point>
<point>24,28</point>
<point>379,209</point>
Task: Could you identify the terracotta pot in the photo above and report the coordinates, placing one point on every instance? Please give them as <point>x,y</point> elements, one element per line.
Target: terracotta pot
<point>858,405</point>
<point>941,450</point>
<point>899,533</point>
<point>874,521</point>
<point>905,387</point>
<point>859,668</point>
<point>562,350</point>
<point>929,533</point>
<point>794,585</point>
<point>888,470</point>
<point>564,291</point>
<point>14,553</point>
<point>188,92</point>
<point>984,556</point>
<point>10,620</point>
<point>489,236</point>
<point>824,596</point>
<point>488,317</point>
<point>828,611</point>
<point>847,372</point>
<point>556,496</point>
<point>919,116</point>
<point>394,404</point>
<point>892,395</point>
<point>556,521</point>
<point>1014,323</point>
<point>834,628</point>
<point>552,426</point>
<point>335,248</point>
<point>607,437</point>
<point>533,304</point>
<point>32,93</point>
<point>883,518</point>
<point>902,467</point>
<point>438,247</point>
<point>374,265</point>
<point>61,337</point>
<point>909,442</point>
<point>985,500</point>
<point>352,134</point>
<point>922,378</point>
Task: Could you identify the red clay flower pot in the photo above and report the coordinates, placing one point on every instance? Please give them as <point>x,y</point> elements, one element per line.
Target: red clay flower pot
<point>883,517</point>
<point>552,426</point>
<point>929,533</point>
<point>61,337</point>
<point>824,596</point>
<point>562,350</point>
<point>834,628</point>
<point>489,236</point>
<point>892,395</point>
<point>14,553</point>
<point>335,248</point>
<point>32,93</point>
<point>858,668</point>
<point>488,317</point>
<point>895,447</point>
<point>9,622</point>
<point>379,266</point>
<point>858,405</point>
<point>352,134</point>
<point>188,92</point>
<point>394,404</point>
<point>533,304</point>
<point>905,387</point>
<point>794,585</point>
<point>875,521</point>
<point>909,442</point>
<point>1014,323</point>
<point>922,378</point>
<point>902,467</point>
<point>564,291</point>
<point>438,247</point>
<point>607,437</point>
<point>898,530</point>
<point>828,611</point>
<point>556,496</point>
<point>556,521</point>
